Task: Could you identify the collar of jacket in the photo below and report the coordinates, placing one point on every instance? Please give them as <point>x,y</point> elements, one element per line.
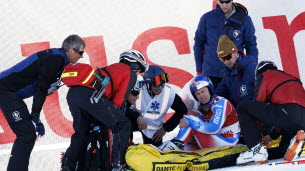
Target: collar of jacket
<point>236,17</point>
<point>63,52</point>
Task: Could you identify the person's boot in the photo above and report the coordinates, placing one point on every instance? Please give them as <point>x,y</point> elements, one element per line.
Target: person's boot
<point>296,146</point>
<point>64,163</point>
<point>172,145</point>
<point>256,154</point>
<point>124,167</point>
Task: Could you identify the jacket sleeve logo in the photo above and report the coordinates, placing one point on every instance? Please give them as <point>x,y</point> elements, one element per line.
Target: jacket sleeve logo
<point>16,116</point>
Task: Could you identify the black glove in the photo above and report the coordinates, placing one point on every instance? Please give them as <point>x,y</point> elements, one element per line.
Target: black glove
<point>39,128</point>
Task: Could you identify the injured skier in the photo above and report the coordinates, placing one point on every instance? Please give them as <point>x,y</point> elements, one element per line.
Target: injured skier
<point>214,123</point>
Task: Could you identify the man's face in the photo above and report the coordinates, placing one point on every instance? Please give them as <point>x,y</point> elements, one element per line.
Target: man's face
<point>75,54</point>
<point>156,90</point>
<point>225,5</point>
<point>203,95</point>
<point>230,60</point>
<point>133,96</point>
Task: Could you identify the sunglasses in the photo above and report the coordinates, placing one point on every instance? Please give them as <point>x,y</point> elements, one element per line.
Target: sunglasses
<point>160,80</point>
<point>222,2</point>
<point>79,52</point>
<point>135,93</point>
<point>228,57</point>
<point>157,86</point>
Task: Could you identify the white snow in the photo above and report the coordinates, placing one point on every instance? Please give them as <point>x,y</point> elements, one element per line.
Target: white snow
<point>49,158</point>
<point>267,167</point>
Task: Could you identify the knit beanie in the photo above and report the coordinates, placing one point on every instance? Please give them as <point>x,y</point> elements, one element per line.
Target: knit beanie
<point>225,46</point>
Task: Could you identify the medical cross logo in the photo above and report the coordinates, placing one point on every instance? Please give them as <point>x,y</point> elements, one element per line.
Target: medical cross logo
<point>155,105</point>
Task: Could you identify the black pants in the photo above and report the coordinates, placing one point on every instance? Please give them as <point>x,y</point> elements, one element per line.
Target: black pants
<point>290,118</point>
<point>20,121</point>
<point>84,113</point>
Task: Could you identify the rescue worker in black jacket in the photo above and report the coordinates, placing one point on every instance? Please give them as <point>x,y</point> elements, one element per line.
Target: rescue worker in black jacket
<point>33,76</point>
<point>109,109</point>
<point>134,115</point>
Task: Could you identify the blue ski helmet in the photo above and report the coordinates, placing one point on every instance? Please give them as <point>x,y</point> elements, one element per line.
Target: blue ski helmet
<point>150,76</point>
<point>199,82</point>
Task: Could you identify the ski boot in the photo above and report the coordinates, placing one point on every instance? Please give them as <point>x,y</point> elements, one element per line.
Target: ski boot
<point>296,146</point>
<point>256,154</point>
<point>172,145</point>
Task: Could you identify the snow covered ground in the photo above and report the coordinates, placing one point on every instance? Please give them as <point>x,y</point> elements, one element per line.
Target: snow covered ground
<point>47,158</point>
<point>267,167</point>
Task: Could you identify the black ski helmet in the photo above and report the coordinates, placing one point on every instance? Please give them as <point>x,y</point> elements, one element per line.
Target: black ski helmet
<point>264,66</point>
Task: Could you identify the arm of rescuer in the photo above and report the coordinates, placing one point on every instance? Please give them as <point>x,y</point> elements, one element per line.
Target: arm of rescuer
<point>269,132</point>
<point>200,40</point>
<point>137,121</point>
<point>180,109</point>
<point>50,66</point>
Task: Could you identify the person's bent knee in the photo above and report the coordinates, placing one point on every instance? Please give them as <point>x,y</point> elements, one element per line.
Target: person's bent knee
<point>123,124</point>
<point>242,107</point>
<point>30,138</point>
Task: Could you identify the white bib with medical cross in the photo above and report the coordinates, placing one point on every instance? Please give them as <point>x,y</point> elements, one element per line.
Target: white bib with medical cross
<point>154,109</point>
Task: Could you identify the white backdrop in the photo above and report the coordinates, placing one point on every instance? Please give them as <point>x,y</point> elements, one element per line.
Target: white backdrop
<point>163,30</point>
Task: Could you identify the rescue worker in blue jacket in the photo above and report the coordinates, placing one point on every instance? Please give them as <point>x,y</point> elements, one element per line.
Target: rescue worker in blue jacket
<point>227,18</point>
<point>238,82</point>
<point>33,76</point>
<point>109,110</point>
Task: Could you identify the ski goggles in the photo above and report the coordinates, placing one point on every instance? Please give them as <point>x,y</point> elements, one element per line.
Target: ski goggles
<point>135,92</point>
<point>79,52</point>
<point>222,2</point>
<point>160,80</point>
<point>228,57</point>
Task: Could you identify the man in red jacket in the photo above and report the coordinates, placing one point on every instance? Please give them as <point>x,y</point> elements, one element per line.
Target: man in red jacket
<point>109,110</point>
<point>280,102</point>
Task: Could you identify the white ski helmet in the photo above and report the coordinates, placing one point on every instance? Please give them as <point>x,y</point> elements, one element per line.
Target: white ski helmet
<point>134,59</point>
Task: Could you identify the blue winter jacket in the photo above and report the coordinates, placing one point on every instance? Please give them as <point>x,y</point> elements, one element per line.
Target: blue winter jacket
<point>238,82</point>
<point>238,27</point>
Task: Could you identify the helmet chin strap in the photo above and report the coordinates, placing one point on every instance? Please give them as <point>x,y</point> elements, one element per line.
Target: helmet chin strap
<point>152,95</point>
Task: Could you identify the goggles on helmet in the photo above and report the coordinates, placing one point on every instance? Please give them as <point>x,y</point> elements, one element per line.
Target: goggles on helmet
<point>196,85</point>
<point>139,85</point>
<point>160,80</point>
